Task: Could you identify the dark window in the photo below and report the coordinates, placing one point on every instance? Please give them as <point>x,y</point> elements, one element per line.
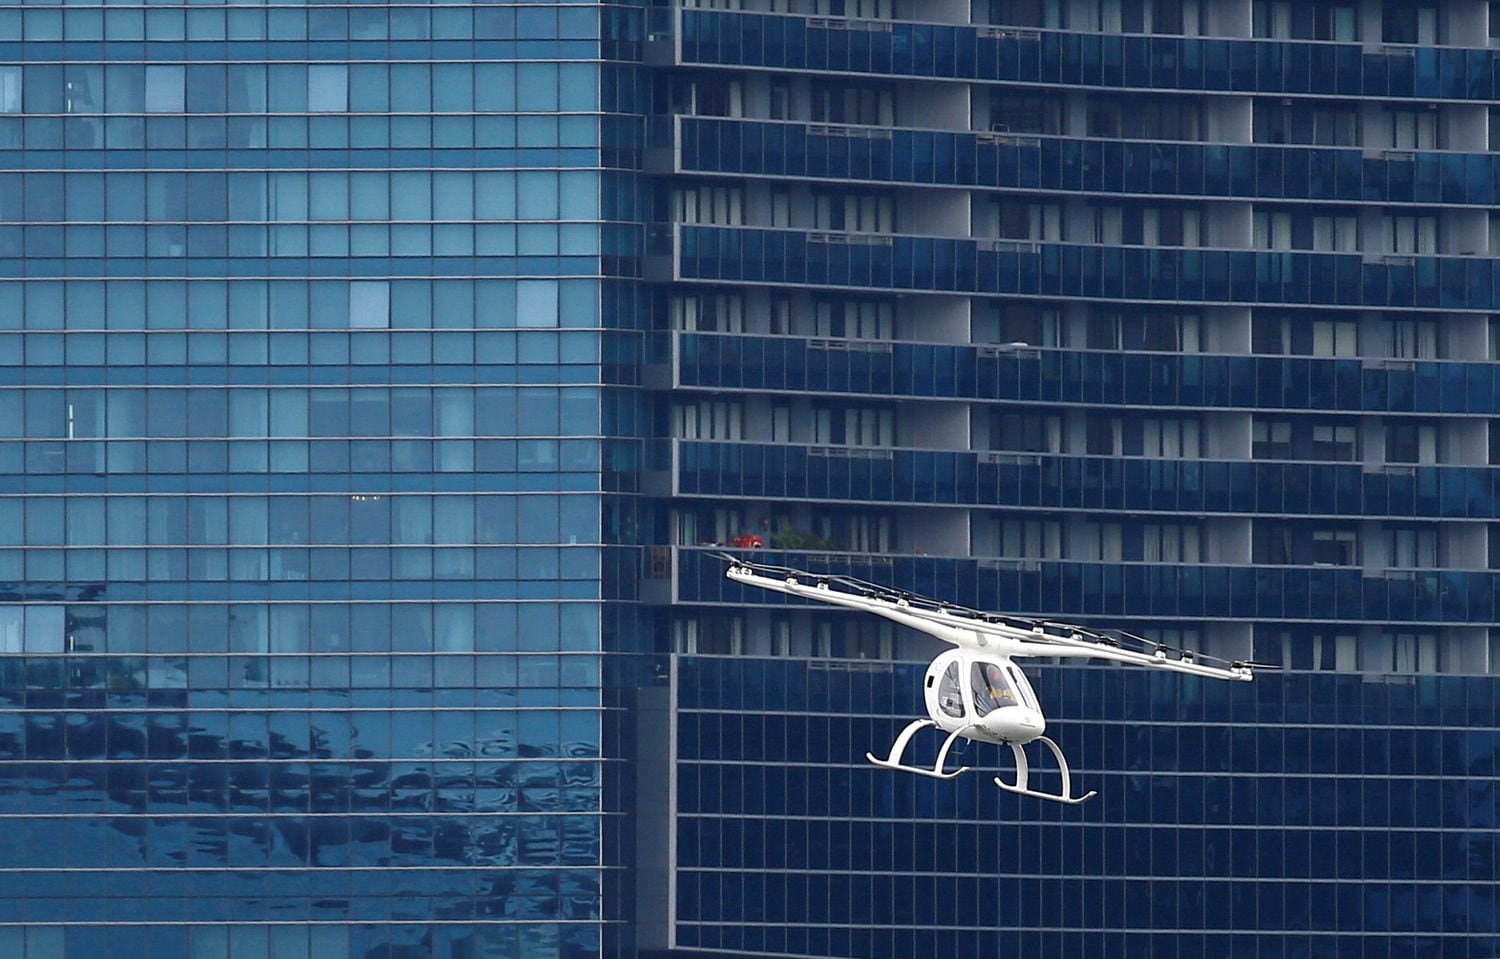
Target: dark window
<point>1304,20</point>
<point>1156,332</point>
<point>1004,322</point>
<point>1333,443</point>
<point>1305,123</point>
<point>1334,547</point>
<point>1300,334</point>
<point>1271,440</point>
<point>1268,334</point>
<point>1145,119</point>
<point>1103,331</point>
<point>1272,544</point>
<point>1305,650</point>
<point>1024,13</point>
<point>1281,544</point>
<point>1411,443</point>
<point>869,104</point>
<point>1409,21</point>
<point>781,100</point>
<point>1025,432</point>
<point>1101,435</point>
<point>991,688</point>
<point>950,696</point>
<point>1166,17</point>
<point>1025,113</point>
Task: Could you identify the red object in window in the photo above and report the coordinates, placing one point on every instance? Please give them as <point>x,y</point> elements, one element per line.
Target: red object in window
<point>749,541</point>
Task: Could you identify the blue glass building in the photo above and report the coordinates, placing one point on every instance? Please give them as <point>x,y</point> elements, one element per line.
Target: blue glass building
<point>316,479</point>
<point>376,382</point>
<point>1305,814</point>
<point>1176,316</point>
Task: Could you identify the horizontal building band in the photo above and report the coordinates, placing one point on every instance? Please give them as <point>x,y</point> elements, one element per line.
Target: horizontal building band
<point>1020,372</point>
<point>871,261</point>
<point>1005,479</point>
<point>1137,590</point>
<point>1019,161</point>
<point>997,54</point>
<point>747,686</point>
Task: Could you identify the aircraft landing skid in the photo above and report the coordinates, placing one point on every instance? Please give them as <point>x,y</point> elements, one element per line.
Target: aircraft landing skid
<point>1023,768</point>
<point>898,748</point>
<point>1023,775</point>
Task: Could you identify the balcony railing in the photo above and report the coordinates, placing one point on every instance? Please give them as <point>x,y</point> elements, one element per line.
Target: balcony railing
<point>816,151</point>
<point>903,262</point>
<point>740,361</point>
<point>1070,58</point>
<point>781,471</point>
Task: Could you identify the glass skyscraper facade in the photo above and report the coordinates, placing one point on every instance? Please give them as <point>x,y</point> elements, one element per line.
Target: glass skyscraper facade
<point>1174,316</point>
<point>1305,814</point>
<point>377,382</point>
<point>307,504</point>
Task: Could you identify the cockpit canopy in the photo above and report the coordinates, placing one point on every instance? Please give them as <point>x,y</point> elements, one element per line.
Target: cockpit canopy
<point>991,686</point>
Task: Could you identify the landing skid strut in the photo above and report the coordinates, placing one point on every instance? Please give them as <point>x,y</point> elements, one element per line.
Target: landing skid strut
<point>898,748</point>
<point>1023,774</point>
<point>1023,768</point>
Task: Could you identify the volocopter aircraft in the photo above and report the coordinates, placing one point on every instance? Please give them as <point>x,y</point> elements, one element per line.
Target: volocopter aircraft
<point>976,691</point>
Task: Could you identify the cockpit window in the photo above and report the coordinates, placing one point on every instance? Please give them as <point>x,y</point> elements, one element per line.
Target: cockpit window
<point>950,694</point>
<point>991,688</point>
<point>1019,683</point>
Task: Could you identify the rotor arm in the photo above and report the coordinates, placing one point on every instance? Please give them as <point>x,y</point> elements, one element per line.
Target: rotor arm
<point>791,584</point>
<point>1080,645</point>
<point>1031,643</point>
<point>1008,635</point>
<point>1078,650</point>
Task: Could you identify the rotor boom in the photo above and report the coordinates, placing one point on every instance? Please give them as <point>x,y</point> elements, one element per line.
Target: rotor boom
<point>960,626</point>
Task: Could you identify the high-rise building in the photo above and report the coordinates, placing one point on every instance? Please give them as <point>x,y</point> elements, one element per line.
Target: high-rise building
<point>313,458</point>
<point>378,381</point>
<point>1175,316</point>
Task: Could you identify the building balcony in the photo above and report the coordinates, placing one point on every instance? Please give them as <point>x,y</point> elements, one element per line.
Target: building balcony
<point>892,475</point>
<point>1132,61</point>
<point>1009,161</point>
<point>745,362</point>
<point>1117,590</point>
<point>995,267</point>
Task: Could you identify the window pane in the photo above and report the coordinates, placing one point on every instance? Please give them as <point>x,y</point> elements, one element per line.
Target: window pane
<point>165,87</point>
<point>327,89</point>
<point>10,89</point>
<point>10,628</point>
<point>536,303</point>
<point>369,304</point>
<point>44,629</point>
